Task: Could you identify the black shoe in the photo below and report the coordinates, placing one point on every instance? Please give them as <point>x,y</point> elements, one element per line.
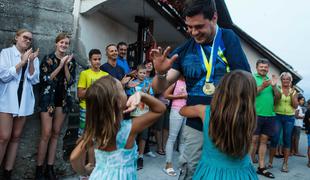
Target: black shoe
<point>7,174</point>
<point>39,173</point>
<point>140,163</point>
<point>50,174</point>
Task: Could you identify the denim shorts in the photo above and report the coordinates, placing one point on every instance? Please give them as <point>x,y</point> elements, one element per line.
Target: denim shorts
<point>286,122</point>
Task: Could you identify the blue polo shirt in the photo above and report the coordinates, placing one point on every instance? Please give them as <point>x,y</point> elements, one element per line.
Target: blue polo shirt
<point>116,71</point>
<point>123,64</point>
<point>191,66</point>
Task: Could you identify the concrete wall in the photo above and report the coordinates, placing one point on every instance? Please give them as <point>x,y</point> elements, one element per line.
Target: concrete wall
<point>45,18</point>
<point>253,56</point>
<point>97,31</point>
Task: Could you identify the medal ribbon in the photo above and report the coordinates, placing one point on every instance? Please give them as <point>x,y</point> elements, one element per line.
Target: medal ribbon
<point>215,52</point>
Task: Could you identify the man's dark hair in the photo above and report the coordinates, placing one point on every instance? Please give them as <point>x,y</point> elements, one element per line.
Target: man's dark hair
<point>262,61</point>
<point>195,7</point>
<point>121,44</point>
<point>92,52</point>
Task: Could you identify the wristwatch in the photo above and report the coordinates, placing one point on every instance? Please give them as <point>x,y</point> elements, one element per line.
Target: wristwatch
<point>161,76</point>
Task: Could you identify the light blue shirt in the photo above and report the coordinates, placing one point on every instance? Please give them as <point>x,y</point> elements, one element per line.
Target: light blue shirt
<point>123,64</point>
<point>9,82</point>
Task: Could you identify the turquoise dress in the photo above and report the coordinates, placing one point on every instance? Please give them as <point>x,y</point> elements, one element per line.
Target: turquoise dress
<point>215,165</point>
<point>119,164</point>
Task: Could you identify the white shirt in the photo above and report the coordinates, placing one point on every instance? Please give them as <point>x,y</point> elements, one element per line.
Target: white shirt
<point>9,82</point>
<point>299,122</point>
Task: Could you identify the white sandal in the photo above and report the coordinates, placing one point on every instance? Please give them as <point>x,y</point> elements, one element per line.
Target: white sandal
<point>170,171</point>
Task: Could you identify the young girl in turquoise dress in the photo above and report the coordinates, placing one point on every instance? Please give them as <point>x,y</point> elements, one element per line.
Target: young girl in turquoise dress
<point>114,138</point>
<point>229,123</point>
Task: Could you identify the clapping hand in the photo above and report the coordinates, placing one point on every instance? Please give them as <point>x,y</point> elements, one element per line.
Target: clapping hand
<point>25,56</point>
<point>125,79</point>
<point>33,55</point>
<point>274,80</point>
<point>266,83</point>
<point>160,60</point>
<point>69,59</point>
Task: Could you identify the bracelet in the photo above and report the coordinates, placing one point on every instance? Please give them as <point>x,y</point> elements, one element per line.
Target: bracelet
<point>161,76</point>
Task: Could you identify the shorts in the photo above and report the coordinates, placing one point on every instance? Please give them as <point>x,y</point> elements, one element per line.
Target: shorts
<point>82,121</point>
<point>265,125</point>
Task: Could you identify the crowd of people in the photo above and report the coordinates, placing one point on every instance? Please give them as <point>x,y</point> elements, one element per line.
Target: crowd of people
<point>201,96</point>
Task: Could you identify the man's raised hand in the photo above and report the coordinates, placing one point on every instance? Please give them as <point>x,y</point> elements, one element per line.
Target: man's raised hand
<point>160,60</point>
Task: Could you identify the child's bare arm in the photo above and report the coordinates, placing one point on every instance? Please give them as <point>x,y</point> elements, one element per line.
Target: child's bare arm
<point>78,157</point>
<point>194,111</point>
<point>156,109</point>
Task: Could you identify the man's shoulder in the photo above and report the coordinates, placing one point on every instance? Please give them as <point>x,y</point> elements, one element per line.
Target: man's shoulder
<point>228,33</point>
<point>184,46</point>
<point>229,36</point>
<point>105,65</point>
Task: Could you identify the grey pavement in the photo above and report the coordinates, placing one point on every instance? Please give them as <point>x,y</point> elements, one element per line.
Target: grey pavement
<point>297,165</point>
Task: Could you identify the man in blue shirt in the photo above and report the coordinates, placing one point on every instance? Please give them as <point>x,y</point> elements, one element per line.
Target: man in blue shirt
<point>203,60</point>
<point>121,59</point>
<point>111,67</point>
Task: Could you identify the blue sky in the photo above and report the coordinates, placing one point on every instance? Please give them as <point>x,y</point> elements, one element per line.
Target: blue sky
<point>283,26</point>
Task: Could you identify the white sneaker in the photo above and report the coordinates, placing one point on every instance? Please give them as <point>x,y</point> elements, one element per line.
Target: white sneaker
<point>150,154</point>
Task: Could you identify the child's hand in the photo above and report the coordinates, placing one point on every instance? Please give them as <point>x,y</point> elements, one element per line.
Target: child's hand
<point>133,102</point>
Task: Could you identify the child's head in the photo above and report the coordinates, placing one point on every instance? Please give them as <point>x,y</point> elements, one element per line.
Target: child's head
<point>94,56</point>
<point>105,101</point>
<point>233,114</point>
<point>301,100</point>
<point>141,72</point>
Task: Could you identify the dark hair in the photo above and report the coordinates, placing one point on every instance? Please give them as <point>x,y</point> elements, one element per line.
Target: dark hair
<point>300,97</point>
<point>121,44</point>
<point>195,7</point>
<point>262,61</point>
<point>152,73</point>
<point>62,36</point>
<point>233,115</point>
<point>92,52</point>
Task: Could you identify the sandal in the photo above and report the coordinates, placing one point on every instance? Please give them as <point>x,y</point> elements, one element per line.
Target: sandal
<point>161,152</point>
<point>284,167</point>
<point>264,172</point>
<point>170,171</point>
<point>299,155</point>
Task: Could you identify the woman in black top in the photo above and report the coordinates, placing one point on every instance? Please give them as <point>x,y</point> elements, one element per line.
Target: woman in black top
<point>57,74</point>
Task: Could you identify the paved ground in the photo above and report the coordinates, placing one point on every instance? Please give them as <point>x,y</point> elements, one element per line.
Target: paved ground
<point>297,165</point>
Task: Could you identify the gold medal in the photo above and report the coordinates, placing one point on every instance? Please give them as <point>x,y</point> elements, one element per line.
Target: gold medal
<point>208,88</point>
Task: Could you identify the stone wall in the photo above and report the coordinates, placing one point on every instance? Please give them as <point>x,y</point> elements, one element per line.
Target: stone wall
<point>45,18</point>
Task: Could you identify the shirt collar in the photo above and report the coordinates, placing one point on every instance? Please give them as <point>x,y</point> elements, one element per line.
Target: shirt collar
<point>15,50</point>
<point>257,75</point>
